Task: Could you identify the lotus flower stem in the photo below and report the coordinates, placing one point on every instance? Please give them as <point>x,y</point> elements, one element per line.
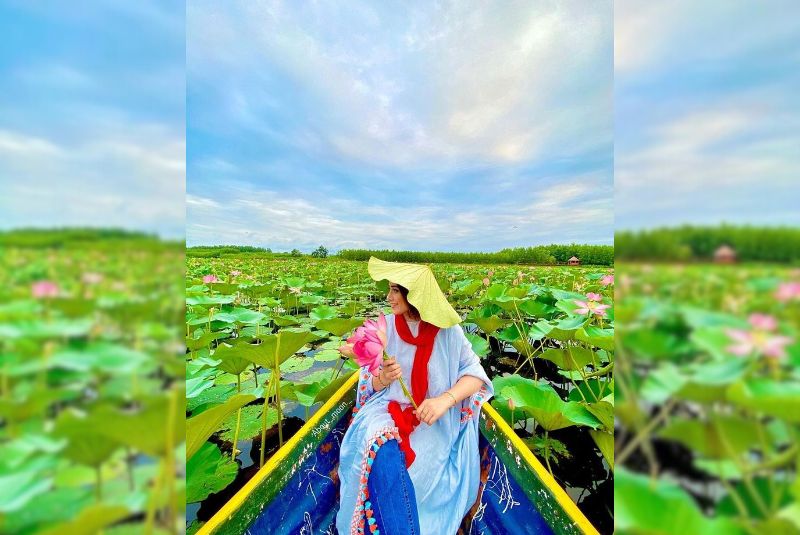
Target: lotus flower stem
<point>278,391</point>
<point>264,420</point>
<point>644,433</point>
<point>129,466</point>
<point>99,486</point>
<point>338,369</point>
<point>238,418</point>
<point>403,386</point>
<point>154,493</point>
<point>236,434</point>
<point>547,451</point>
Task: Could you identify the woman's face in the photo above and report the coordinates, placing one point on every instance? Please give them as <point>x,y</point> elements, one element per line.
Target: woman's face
<point>396,300</point>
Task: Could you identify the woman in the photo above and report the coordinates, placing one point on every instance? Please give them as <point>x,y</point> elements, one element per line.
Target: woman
<point>406,471</point>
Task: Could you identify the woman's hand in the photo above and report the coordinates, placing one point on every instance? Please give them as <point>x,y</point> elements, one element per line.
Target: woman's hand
<point>432,409</point>
<point>391,371</point>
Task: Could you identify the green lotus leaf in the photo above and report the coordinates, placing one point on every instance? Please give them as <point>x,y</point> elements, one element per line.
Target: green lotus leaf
<point>719,438</point>
<point>488,325</point>
<point>234,359</point>
<point>202,426</point>
<point>20,487</point>
<point>479,344</point>
<point>193,344</point>
<point>90,520</point>
<point>775,398</point>
<point>296,363</point>
<point>323,312</point>
<point>596,336</point>
<point>645,505</point>
<point>339,326</point>
<point>207,472</point>
<point>87,443</point>
<point>605,442</point>
<point>327,355</point>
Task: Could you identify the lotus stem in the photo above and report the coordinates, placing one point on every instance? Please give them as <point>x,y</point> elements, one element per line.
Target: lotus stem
<point>746,476</point>
<point>338,369</point>
<point>129,464</point>
<point>278,391</point>
<point>264,420</point>
<point>403,386</point>
<point>154,493</point>
<point>99,486</point>
<point>236,434</point>
<point>547,451</point>
<point>644,432</point>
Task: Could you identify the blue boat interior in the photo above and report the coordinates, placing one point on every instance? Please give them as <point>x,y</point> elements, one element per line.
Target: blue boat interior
<point>308,503</point>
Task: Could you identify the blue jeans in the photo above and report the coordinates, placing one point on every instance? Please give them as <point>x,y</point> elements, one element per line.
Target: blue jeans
<point>391,492</point>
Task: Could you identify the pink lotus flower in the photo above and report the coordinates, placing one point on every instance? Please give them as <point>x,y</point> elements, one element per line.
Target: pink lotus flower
<point>586,308</point>
<point>594,297</point>
<point>607,279</point>
<point>763,322</point>
<point>235,273</point>
<point>43,289</point>
<point>760,340</point>
<point>368,343</point>
<point>210,278</point>
<point>489,273</point>
<point>486,281</point>
<point>367,346</point>
<point>788,291</point>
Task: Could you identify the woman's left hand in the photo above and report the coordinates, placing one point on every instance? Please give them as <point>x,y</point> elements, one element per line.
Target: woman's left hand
<point>432,409</point>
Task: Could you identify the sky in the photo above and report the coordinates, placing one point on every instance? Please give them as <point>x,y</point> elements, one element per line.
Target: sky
<point>92,125</point>
<point>707,115</point>
<point>450,126</point>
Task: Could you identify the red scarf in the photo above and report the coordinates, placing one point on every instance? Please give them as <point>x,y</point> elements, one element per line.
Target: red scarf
<point>405,420</point>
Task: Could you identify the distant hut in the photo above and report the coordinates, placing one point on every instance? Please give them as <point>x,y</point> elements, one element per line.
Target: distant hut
<point>573,261</point>
<point>724,255</point>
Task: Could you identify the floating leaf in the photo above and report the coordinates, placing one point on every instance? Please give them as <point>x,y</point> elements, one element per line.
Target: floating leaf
<point>207,472</point>
<point>202,426</point>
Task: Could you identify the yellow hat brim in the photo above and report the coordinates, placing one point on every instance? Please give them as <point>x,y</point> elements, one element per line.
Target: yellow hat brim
<point>423,290</point>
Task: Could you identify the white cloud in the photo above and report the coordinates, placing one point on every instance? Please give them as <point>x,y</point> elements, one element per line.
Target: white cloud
<point>17,145</point>
<point>464,81</point>
<point>135,182</point>
<point>571,211</point>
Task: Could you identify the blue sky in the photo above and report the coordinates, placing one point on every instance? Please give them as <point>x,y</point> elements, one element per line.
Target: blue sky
<point>426,126</point>
<point>92,130</point>
<point>707,115</point>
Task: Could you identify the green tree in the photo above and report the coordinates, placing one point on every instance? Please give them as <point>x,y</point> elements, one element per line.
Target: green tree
<point>320,252</point>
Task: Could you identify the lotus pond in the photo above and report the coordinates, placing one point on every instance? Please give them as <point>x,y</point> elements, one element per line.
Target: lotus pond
<point>708,404</point>
<point>91,396</point>
<point>261,339</point>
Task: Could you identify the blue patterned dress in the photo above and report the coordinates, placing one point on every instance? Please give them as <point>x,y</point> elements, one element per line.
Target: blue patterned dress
<point>446,471</point>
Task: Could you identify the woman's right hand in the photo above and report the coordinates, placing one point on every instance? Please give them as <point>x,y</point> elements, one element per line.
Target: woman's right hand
<point>391,371</point>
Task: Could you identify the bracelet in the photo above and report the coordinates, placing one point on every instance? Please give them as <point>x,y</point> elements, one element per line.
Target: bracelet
<point>452,396</point>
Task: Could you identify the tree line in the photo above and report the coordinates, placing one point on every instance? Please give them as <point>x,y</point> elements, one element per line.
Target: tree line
<point>538,255</point>
<point>698,243</point>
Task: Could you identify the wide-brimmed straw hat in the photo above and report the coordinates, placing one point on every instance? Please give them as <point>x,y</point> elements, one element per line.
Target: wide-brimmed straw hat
<point>423,290</point>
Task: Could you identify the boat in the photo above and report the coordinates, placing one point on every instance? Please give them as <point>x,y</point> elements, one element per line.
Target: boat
<point>296,491</point>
